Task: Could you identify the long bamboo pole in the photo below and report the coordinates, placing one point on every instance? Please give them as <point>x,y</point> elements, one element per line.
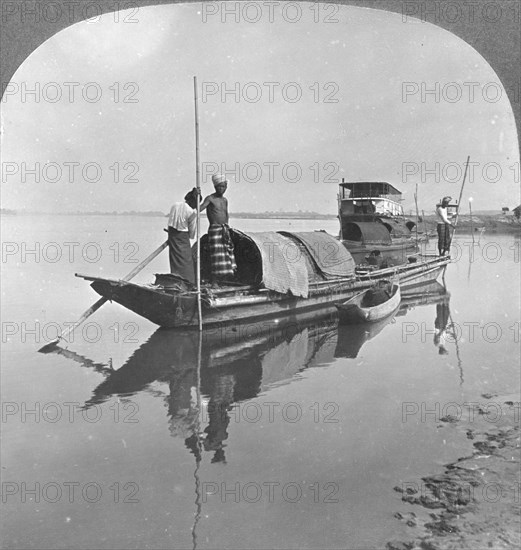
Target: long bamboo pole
<point>198,226</point>
<point>425,232</point>
<point>471,220</point>
<point>461,191</point>
<point>459,199</point>
<point>417,214</point>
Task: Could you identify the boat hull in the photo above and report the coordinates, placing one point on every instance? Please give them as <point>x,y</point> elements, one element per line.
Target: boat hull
<point>174,309</point>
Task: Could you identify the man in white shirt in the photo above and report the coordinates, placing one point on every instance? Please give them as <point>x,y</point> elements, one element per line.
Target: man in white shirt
<point>181,228</point>
<point>444,226</point>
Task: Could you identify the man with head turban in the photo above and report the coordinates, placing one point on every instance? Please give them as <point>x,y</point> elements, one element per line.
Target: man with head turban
<point>181,228</point>
<point>222,257</point>
<point>444,226</point>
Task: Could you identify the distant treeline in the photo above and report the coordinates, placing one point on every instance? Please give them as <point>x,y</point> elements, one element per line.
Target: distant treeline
<point>155,213</point>
<point>284,215</point>
<point>492,224</point>
<point>497,223</point>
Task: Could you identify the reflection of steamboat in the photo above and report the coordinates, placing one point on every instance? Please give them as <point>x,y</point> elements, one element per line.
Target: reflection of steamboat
<point>229,365</point>
<point>371,217</point>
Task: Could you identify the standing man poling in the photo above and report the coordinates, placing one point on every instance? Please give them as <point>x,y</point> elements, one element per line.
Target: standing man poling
<point>222,258</point>
<point>444,226</point>
<point>181,228</point>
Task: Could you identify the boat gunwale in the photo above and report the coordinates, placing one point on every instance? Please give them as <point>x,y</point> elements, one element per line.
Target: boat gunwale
<point>316,287</point>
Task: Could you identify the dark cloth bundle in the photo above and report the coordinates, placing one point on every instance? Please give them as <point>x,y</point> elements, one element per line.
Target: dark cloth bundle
<point>376,296</point>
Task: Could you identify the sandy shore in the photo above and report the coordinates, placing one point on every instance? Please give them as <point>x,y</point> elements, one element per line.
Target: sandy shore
<point>474,503</point>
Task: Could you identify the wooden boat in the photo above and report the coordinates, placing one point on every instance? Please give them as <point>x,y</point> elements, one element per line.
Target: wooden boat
<point>360,308</point>
<point>268,284</point>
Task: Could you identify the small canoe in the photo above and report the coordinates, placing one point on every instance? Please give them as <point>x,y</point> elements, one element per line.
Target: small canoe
<point>371,305</point>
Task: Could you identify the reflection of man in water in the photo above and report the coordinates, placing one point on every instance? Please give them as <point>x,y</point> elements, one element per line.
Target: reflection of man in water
<point>220,403</point>
<point>183,409</point>
<point>440,325</point>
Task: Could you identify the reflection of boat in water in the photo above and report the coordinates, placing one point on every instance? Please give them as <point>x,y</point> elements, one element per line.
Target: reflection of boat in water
<point>233,364</point>
<point>351,338</point>
<point>260,352</point>
<point>430,293</point>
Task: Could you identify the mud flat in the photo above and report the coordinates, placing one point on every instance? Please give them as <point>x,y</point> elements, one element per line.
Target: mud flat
<point>475,502</point>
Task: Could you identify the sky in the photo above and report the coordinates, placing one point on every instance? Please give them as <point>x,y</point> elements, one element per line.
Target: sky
<point>345,101</point>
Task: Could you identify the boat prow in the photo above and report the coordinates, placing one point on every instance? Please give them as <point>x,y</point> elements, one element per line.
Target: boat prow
<point>164,307</point>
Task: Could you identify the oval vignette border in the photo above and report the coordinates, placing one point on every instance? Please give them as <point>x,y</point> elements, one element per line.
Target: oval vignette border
<point>499,42</point>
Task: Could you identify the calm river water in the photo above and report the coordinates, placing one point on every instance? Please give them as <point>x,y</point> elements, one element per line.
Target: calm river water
<point>294,438</point>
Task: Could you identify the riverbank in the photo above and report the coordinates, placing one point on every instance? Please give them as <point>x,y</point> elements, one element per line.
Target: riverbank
<point>474,502</point>
<point>491,225</point>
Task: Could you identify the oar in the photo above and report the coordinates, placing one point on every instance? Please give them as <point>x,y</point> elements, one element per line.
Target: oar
<point>51,345</point>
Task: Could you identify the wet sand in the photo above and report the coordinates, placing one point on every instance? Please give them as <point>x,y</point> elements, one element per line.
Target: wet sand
<point>474,502</point>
